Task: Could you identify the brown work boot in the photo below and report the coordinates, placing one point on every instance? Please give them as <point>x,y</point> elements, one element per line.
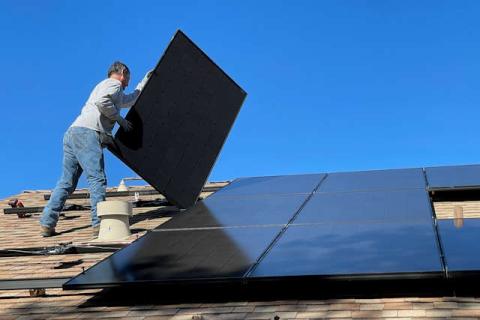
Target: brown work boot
<point>95,231</point>
<point>48,232</point>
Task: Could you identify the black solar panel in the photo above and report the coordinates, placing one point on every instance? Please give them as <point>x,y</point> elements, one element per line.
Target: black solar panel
<point>453,177</point>
<point>370,206</point>
<point>272,185</point>
<point>180,122</point>
<point>461,244</point>
<point>166,256</point>
<point>373,180</point>
<point>218,211</point>
<point>352,249</point>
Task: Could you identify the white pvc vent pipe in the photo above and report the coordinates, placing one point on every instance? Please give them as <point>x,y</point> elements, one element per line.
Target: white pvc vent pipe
<point>114,223</point>
<point>122,186</point>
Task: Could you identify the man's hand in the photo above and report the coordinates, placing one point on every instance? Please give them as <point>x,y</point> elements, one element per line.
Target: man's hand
<point>125,124</point>
<point>106,140</point>
<point>142,83</point>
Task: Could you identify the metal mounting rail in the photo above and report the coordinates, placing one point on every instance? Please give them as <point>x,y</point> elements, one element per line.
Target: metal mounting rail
<point>86,195</point>
<point>76,207</point>
<point>22,210</point>
<point>19,284</point>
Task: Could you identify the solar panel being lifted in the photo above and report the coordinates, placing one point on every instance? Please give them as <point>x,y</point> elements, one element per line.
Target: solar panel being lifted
<point>180,122</point>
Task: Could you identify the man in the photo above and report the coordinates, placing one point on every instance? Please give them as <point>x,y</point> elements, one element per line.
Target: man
<point>83,143</point>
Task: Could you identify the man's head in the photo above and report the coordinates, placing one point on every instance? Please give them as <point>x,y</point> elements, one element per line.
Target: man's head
<point>119,71</point>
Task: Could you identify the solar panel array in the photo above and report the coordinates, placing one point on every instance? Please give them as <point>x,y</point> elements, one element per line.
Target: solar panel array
<point>354,224</point>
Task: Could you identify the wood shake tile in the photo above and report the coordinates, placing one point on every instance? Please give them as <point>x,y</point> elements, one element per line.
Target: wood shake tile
<point>311,315</point>
<point>372,306</point>
<point>243,309</point>
<point>339,314</point>
<point>344,306</point>
<point>466,313</point>
<point>158,312</point>
<point>435,313</point>
<point>365,314</point>
<point>397,305</point>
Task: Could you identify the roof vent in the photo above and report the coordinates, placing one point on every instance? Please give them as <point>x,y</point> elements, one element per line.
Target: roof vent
<point>114,224</point>
<point>122,186</point>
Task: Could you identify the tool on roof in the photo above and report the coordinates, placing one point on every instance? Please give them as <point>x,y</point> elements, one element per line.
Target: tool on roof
<point>15,203</point>
<point>62,248</point>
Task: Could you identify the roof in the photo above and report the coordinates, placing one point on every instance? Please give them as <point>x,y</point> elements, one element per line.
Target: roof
<point>60,305</point>
<point>17,233</point>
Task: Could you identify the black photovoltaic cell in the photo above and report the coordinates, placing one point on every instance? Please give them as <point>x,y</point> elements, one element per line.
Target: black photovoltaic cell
<point>387,206</point>
<point>352,249</point>
<point>180,122</point>
<point>373,180</point>
<point>166,256</point>
<point>272,185</point>
<point>461,244</point>
<point>453,177</point>
<point>238,211</point>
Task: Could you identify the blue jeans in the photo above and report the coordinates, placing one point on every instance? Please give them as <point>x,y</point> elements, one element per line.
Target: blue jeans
<point>82,151</point>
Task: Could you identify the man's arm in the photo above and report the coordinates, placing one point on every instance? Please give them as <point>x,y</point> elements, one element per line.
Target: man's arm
<point>109,98</point>
<point>128,100</point>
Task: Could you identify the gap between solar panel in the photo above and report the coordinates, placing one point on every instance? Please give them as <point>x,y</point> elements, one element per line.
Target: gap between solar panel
<point>456,204</point>
<point>247,226</point>
<point>457,213</point>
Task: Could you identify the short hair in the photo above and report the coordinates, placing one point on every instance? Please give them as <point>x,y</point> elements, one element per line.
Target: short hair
<point>118,67</point>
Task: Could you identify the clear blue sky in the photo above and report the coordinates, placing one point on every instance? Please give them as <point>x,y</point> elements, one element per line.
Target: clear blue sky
<point>333,85</point>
